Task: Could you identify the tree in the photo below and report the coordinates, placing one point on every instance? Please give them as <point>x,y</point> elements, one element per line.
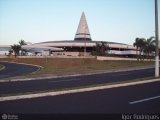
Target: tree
<point>16,48</point>
<point>140,45</point>
<point>10,52</point>
<point>149,46</point>
<point>136,44</point>
<point>22,42</point>
<point>101,49</point>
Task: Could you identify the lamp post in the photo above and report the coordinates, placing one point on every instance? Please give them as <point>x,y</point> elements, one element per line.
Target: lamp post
<point>85,27</point>
<point>157,40</point>
<point>85,46</point>
<point>85,40</point>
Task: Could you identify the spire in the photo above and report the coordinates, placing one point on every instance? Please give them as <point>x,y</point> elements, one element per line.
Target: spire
<point>83,30</point>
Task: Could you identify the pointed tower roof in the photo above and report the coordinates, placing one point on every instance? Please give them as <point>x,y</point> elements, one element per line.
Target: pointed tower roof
<point>83,30</point>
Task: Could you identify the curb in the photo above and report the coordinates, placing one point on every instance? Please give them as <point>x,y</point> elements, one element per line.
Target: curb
<point>29,96</point>
<point>74,75</point>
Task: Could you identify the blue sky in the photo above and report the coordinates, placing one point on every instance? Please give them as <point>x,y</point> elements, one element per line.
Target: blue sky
<point>50,20</point>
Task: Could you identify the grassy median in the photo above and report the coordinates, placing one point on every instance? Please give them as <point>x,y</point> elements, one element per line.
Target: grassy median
<point>59,66</point>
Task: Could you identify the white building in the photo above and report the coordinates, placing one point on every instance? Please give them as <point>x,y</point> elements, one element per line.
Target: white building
<point>81,45</point>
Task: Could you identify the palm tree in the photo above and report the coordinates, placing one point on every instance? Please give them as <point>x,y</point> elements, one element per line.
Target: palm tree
<point>104,48</point>
<point>136,44</point>
<point>16,48</point>
<point>140,45</point>
<point>10,52</point>
<point>150,46</point>
<point>101,48</point>
<point>21,43</point>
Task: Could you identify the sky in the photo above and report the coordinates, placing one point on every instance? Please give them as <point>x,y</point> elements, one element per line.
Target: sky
<point>54,20</point>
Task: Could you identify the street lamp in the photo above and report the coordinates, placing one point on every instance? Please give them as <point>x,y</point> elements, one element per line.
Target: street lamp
<point>157,40</point>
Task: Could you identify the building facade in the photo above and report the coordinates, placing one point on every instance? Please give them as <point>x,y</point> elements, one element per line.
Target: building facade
<point>81,45</point>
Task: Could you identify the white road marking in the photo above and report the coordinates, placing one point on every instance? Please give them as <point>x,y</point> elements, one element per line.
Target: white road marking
<point>64,80</point>
<point>144,100</point>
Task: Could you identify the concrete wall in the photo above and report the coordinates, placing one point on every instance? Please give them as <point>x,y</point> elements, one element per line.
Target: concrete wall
<point>126,52</point>
<point>74,54</point>
<point>53,57</point>
<point>114,58</point>
<point>4,53</point>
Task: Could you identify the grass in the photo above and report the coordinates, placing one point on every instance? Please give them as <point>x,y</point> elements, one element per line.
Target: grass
<point>62,66</point>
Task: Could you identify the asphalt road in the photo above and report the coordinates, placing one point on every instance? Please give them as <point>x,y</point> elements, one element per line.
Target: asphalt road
<point>68,82</point>
<point>144,98</point>
<point>13,69</point>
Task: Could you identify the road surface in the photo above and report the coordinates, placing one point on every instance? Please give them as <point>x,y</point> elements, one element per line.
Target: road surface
<point>13,69</point>
<point>76,81</point>
<point>143,98</point>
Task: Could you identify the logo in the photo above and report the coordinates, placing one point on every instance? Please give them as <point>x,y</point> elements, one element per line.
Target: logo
<point>4,116</point>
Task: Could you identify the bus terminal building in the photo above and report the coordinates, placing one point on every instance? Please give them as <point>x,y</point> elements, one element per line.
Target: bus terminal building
<point>82,45</point>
